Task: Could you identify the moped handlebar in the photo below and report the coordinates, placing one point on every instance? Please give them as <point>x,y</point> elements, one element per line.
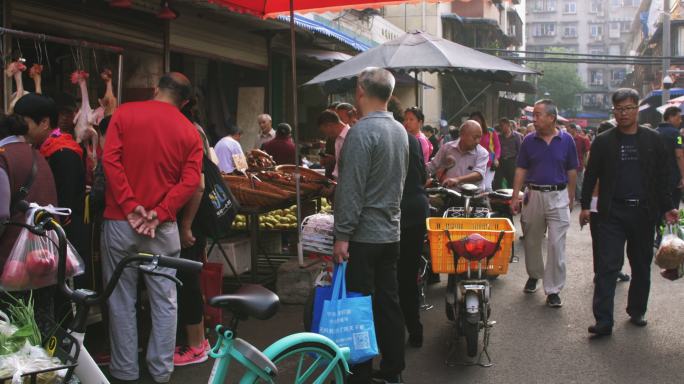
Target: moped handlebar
<point>444,191</point>
<point>455,193</point>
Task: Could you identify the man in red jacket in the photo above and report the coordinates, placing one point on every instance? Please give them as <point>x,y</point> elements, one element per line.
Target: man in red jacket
<point>152,162</point>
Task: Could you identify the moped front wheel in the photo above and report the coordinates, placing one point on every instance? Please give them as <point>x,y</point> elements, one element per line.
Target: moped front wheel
<point>470,331</point>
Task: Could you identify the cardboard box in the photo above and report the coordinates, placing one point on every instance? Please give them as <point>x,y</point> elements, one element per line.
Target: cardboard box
<point>238,251</point>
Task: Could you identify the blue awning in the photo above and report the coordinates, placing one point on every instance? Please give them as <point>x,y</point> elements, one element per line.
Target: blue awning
<point>673,92</point>
<point>592,115</point>
<point>320,28</point>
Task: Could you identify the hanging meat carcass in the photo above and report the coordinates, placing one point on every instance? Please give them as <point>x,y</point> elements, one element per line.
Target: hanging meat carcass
<point>35,73</point>
<point>14,69</point>
<point>85,117</point>
<point>108,101</point>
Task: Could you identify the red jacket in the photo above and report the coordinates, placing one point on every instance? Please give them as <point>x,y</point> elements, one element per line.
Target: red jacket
<point>282,149</point>
<point>152,157</point>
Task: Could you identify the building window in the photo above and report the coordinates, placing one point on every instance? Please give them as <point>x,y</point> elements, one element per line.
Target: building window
<point>544,6</point>
<point>614,31</point>
<point>596,31</point>
<point>570,7</point>
<point>570,31</point>
<point>631,3</point>
<point>544,29</point>
<point>596,7</point>
<point>599,50</point>
<point>615,3</point>
<point>625,26</point>
<point>595,77</point>
<point>618,75</point>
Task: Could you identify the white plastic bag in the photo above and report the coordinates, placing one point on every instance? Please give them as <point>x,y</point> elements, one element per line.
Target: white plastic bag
<point>670,254</point>
<point>29,359</point>
<point>32,262</point>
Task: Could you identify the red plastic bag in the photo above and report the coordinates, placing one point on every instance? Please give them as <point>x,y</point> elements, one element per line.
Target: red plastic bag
<point>32,263</point>
<point>211,279</point>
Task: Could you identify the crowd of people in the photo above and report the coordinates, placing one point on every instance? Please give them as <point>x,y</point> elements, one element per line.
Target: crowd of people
<point>627,180</point>
<point>379,227</point>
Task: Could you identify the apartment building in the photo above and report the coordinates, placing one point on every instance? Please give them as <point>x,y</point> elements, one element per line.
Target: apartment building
<point>597,27</point>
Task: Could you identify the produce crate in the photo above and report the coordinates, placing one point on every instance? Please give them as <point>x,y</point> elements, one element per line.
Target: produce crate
<point>270,243</point>
<point>238,251</point>
<point>443,259</point>
<point>65,348</point>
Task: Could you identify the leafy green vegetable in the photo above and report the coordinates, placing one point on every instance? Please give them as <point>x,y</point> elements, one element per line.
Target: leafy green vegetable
<point>23,317</point>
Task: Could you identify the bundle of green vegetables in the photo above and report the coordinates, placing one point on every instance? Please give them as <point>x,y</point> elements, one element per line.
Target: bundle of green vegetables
<point>18,326</point>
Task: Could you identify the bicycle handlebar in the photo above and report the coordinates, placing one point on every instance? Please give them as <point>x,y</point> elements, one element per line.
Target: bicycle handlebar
<point>43,221</point>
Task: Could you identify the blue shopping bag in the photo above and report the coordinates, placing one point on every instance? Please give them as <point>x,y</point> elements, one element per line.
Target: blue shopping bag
<point>348,321</point>
<point>321,294</point>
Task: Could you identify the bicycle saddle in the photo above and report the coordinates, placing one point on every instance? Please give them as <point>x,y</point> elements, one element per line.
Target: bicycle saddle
<point>249,300</point>
<point>474,247</point>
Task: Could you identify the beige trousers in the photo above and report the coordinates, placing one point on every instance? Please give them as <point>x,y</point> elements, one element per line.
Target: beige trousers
<point>542,211</point>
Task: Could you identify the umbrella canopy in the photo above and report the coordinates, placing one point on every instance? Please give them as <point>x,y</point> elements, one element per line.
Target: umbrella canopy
<point>419,51</point>
<point>671,103</point>
<point>273,8</point>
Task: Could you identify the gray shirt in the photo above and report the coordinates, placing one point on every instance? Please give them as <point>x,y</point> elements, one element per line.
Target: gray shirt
<point>459,163</point>
<point>510,146</point>
<point>372,169</point>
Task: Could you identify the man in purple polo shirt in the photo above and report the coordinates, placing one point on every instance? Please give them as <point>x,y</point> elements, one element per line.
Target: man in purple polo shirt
<point>547,164</point>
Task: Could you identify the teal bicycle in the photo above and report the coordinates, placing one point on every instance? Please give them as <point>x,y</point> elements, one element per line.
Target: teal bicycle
<point>300,358</point>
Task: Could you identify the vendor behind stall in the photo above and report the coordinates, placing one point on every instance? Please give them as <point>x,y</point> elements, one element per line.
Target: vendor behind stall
<point>282,147</point>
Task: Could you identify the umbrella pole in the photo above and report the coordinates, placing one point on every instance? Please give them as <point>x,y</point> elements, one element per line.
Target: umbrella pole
<point>295,106</point>
<point>415,76</point>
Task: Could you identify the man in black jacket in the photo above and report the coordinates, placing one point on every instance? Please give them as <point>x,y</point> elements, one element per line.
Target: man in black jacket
<point>627,162</point>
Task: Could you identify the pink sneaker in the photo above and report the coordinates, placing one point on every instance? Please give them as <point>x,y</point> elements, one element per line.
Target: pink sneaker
<point>205,344</point>
<point>189,355</point>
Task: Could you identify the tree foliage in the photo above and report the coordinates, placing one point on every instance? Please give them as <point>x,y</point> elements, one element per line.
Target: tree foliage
<point>561,82</point>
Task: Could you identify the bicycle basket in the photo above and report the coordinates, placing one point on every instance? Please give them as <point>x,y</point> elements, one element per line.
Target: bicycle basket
<point>64,347</point>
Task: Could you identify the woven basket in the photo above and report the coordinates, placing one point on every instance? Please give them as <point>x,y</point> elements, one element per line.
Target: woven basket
<point>250,196</point>
<point>306,172</point>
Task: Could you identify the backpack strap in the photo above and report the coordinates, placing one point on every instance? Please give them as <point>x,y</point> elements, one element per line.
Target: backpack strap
<point>23,191</point>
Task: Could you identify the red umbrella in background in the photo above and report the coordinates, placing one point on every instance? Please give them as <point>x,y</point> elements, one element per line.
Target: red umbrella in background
<point>274,8</point>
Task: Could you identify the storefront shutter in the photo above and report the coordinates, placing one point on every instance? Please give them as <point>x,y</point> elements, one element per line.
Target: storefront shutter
<point>221,41</point>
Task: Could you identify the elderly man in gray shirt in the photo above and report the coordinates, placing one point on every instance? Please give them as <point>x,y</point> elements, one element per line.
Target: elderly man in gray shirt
<point>463,160</point>
<point>372,169</point>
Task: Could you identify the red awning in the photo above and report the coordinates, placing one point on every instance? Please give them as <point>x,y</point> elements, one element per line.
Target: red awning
<point>273,8</point>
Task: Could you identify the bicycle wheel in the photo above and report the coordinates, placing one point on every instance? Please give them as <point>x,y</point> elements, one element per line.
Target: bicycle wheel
<point>306,363</point>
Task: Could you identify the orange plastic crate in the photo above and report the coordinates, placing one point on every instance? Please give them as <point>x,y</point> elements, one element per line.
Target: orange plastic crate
<point>443,259</point>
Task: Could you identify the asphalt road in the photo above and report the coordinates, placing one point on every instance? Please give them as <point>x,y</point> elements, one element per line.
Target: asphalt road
<point>530,342</point>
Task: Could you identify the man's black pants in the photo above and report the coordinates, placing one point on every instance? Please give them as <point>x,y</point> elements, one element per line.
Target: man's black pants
<point>634,226</point>
<point>676,197</point>
<point>411,248</point>
<point>506,171</point>
<point>372,269</point>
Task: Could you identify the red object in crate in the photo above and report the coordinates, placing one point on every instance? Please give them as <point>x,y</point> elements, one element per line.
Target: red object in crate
<point>473,247</point>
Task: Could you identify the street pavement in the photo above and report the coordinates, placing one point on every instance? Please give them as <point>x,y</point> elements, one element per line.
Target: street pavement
<point>530,343</point>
